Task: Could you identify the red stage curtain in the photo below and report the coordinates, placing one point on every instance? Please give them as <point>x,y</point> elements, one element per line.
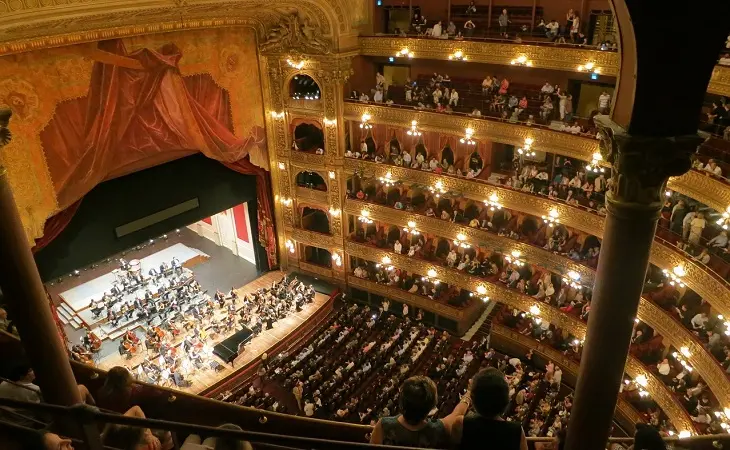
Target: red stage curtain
<point>267,234</point>
<point>139,112</point>
<point>55,225</point>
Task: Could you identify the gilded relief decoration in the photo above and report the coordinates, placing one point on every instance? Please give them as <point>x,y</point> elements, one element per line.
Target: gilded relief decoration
<point>295,33</point>
<point>493,130</point>
<point>720,81</point>
<point>546,57</point>
<point>703,188</point>
<point>314,239</point>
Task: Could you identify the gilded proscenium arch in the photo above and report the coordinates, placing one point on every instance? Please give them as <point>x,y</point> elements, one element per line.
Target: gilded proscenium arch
<point>673,332</point>
<point>624,408</point>
<point>658,391</point>
<point>28,26</point>
<point>692,184</point>
<point>543,57</point>
<point>662,255</point>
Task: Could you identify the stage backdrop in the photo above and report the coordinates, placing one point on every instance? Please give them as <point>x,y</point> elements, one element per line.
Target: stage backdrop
<point>87,113</point>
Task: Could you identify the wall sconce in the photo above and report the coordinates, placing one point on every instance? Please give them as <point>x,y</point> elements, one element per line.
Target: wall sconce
<point>385,263</point>
<point>684,434</point>
<point>282,166</point>
<point>493,202</point>
<point>573,280</point>
<point>482,291</point>
<point>457,56</point>
<point>334,212</point>
<point>685,351</point>
<point>521,61</point>
<point>337,259</point>
<point>725,219</point>
<point>460,241</point>
<point>289,245</point>
<point>295,64</point>
<point>594,166</point>
<point>535,310</point>
<point>277,115</point>
<point>286,201</point>
<point>681,360</point>
<point>411,228</point>
<point>525,150</point>
<point>552,218</point>
<point>364,119</point>
<point>404,52</point>
<point>589,67</point>
<point>431,276</point>
<point>365,217</point>
<point>437,189</point>
<point>330,121</point>
<point>414,129</point>
<point>387,179</point>
<point>332,174</point>
<point>675,276</point>
<point>468,133</point>
<point>514,258</point>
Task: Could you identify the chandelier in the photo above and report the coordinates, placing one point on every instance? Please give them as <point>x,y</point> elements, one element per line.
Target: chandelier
<point>289,245</point>
<point>514,258</point>
<point>387,179</point>
<point>493,202</point>
<point>680,358</point>
<point>521,61</point>
<point>457,56</point>
<point>334,212</point>
<point>295,64</point>
<point>411,228</point>
<point>594,166</point>
<point>365,121</point>
<point>526,149</point>
<point>404,52</point>
<point>365,217</point>
<point>572,279</point>
<point>437,189</point>
<point>552,218</point>
<point>385,263</point>
<point>482,291</point>
<point>589,67</point>
<point>468,133</point>
<point>277,115</point>
<point>337,259</point>
<point>675,276</point>
<point>431,276</point>
<point>286,201</point>
<point>460,241</point>
<point>725,219</point>
<point>414,129</point>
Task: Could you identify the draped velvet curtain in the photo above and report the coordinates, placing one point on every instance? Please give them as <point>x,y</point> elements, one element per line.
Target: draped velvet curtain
<point>141,112</point>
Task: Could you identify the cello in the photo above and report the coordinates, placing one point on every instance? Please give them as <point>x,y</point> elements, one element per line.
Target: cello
<point>94,341</point>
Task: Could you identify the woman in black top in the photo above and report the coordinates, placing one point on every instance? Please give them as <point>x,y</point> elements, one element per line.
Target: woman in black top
<point>487,430</point>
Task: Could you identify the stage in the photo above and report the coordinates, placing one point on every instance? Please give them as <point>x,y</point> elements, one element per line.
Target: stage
<point>201,380</point>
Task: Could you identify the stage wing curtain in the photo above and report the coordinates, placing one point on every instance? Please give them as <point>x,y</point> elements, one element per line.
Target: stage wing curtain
<point>55,225</point>
<point>139,112</point>
<point>267,233</point>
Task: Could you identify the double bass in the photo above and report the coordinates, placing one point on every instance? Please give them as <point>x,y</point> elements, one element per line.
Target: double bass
<point>93,341</point>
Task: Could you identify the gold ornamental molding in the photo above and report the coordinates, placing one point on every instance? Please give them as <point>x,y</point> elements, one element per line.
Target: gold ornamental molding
<point>312,196</point>
<point>659,392</point>
<point>307,160</point>
<point>674,333</point>
<point>314,239</point>
<point>663,256</point>
<point>630,414</point>
<point>403,296</point>
<point>317,270</point>
<point>720,81</point>
<point>449,230</point>
<point>545,140</point>
<point>703,188</point>
<point>542,56</point>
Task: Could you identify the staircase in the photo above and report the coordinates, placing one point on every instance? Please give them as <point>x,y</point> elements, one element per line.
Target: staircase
<point>68,316</point>
<point>483,325</point>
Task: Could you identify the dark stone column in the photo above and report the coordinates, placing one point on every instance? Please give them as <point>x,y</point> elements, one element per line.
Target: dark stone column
<point>21,285</point>
<point>641,167</point>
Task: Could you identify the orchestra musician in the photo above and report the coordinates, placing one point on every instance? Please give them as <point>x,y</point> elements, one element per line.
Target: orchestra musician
<point>91,341</point>
<point>80,354</point>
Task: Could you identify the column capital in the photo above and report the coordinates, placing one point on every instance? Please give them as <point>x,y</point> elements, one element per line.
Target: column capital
<point>641,165</point>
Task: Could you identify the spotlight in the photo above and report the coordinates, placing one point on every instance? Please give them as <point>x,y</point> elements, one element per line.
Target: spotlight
<point>77,273</point>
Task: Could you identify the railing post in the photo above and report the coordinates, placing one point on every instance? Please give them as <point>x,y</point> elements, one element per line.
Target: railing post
<point>21,284</point>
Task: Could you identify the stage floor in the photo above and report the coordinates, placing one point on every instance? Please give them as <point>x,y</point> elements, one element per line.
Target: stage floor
<point>203,379</point>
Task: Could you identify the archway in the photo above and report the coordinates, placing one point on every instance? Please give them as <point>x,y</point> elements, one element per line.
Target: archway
<point>476,163</point>
<point>315,220</point>
<point>421,150</point>
<point>303,87</point>
<point>394,146</point>
<point>308,137</point>
<point>311,180</point>
<point>447,155</point>
<point>443,247</point>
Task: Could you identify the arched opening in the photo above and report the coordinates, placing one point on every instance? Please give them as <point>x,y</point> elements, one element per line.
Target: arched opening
<point>447,156</point>
<point>308,138</point>
<point>421,151</point>
<point>442,248</point>
<point>394,146</point>
<point>370,145</point>
<point>476,164</point>
<point>471,211</point>
<point>393,234</point>
<point>315,220</point>
<point>311,180</point>
<point>303,87</point>
<point>318,256</point>
<point>529,227</point>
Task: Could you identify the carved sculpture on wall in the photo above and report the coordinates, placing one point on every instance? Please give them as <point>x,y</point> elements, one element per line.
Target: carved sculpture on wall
<point>295,33</point>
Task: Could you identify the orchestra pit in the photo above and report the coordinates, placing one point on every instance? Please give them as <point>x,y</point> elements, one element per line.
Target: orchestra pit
<point>355,224</point>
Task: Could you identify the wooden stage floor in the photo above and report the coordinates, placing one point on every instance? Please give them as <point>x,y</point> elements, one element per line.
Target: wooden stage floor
<point>203,379</point>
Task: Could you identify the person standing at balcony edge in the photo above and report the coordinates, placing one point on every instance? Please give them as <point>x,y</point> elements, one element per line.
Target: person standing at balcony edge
<point>503,23</point>
<point>604,101</point>
<point>490,395</point>
<point>696,226</point>
<point>469,28</point>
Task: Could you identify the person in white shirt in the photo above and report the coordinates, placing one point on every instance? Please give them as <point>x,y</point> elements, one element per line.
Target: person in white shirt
<point>379,79</point>
<point>476,113</point>
<point>663,367</point>
<point>397,247</point>
<point>406,158</point>
<point>604,101</point>
<point>364,98</point>
<point>21,388</point>
<point>378,96</point>
<point>308,408</point>
<point>719,241</point>
<point>454,98</point>
<point>405,310</point>
<point>437,30</point>
<point>699,321</point>
<point>688,218</point>
<point>558,376</point>
<point>487,85</point>
<point>713,168</point>
<point>547,89</point>
<point>599,184</point>
<point>703,257</point>
<point>437,94</point>
<point>575,182</point>
<point>696,227</point>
